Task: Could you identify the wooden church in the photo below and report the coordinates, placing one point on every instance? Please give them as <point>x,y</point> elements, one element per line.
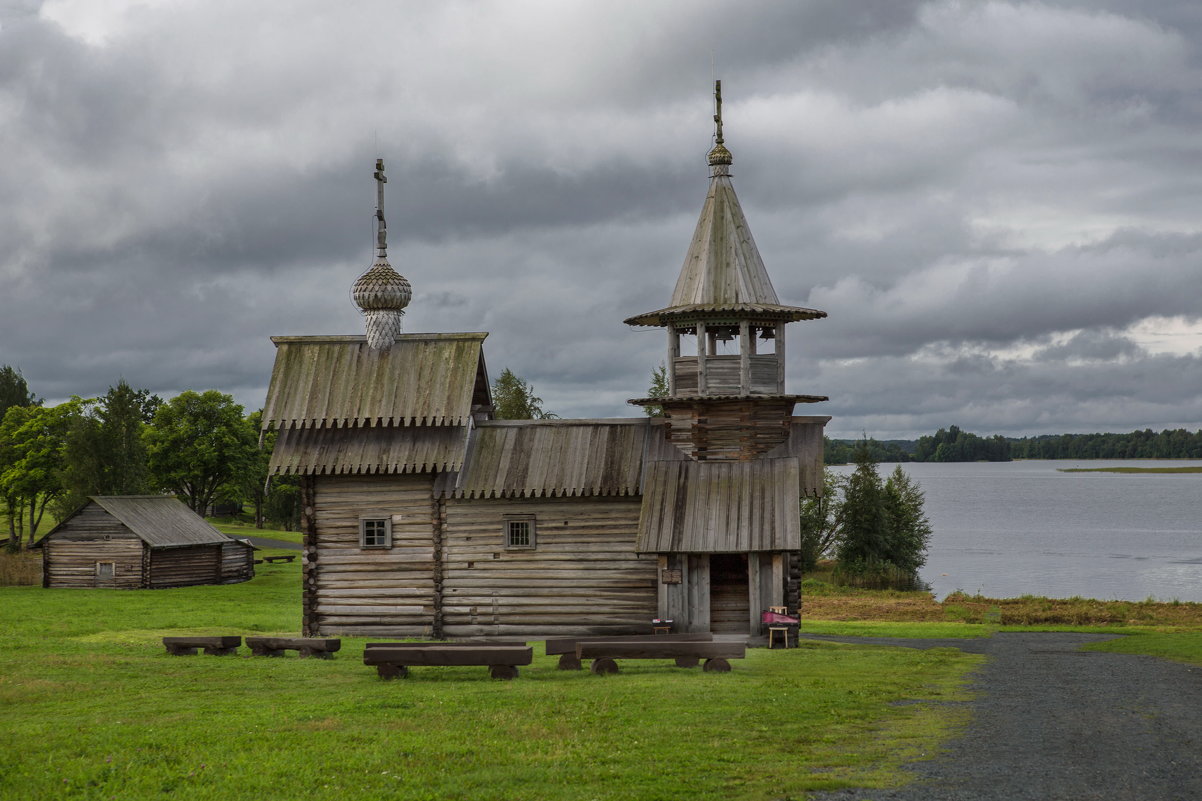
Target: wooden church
<point>423,516</point>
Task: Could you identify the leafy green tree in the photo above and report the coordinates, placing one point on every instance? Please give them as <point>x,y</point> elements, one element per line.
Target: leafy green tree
<point>197,443</point>
<point>106,450</point>
<point>658,389</point>
<point>33,447</point>
<point>282,503</point>
<point>14,391</point>
<point>514,399</point>
<point>820,522</point>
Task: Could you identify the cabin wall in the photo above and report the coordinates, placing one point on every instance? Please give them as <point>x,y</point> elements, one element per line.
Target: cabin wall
<point>355,591</point>
<point>89,537</point>
<point>237,562</point>
<point>185,566</point>
<point>581,577</point>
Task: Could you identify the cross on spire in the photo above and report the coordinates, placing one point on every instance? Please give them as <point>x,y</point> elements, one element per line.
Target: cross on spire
<point>381,226</point>
<point>718,108</point>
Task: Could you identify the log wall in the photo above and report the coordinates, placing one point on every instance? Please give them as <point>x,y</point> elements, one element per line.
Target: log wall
<point>354,591</point>
<point>582,577</point>
<point>185,566</point>
<point>92,535</point>
<point>237,562</point>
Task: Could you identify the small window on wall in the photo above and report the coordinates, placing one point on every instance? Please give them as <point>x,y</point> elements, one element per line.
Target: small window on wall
<point>375,532</point>
<point>105,570</point>
<point>519,531</point>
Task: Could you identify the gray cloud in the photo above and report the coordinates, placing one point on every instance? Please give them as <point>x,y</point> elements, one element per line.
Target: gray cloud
<point>994,201</point>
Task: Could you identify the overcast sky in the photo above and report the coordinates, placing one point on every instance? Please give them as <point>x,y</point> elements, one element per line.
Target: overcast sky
<point>999,204</point>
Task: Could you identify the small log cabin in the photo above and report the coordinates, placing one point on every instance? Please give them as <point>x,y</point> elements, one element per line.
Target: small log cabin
<point>140,542</point>
<point>423,516</point>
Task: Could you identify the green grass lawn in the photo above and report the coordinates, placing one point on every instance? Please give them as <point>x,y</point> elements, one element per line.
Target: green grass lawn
<point>101,712</point>
<point>238,529</point>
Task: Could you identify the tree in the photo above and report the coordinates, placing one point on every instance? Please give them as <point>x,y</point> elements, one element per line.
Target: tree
<point>14,391</point>
<point>820,522</point>
<point>33,446</point>
<point>863,514</point>
<point>197,443</point>
<point>106,450</point>
<point>909,529</point>
<point>658,389</point>
<point>514,399</point>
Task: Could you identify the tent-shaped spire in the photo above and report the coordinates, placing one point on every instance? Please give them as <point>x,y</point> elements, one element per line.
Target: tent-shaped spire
<point>723,271</point>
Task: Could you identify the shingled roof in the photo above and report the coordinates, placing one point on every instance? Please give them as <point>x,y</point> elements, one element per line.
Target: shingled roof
<point>332,382</point>
<point>160,521</point>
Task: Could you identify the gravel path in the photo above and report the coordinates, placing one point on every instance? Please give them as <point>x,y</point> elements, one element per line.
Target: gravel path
<point>1051,722</point>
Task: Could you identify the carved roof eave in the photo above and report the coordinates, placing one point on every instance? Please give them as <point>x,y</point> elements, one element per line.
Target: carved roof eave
<point>695,398</point>
<point>707,313</point>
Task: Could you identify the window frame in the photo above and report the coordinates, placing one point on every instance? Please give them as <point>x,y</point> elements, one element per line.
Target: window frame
<point>375,517</point>
<point>507,530</point>
<point>112,570</point>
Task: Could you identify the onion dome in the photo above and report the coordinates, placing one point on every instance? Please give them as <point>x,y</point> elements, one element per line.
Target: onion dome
<point>381,293</point>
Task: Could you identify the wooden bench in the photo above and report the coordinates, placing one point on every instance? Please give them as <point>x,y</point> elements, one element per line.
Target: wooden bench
<point>715,654</point>
<point>273,559</point>
<point>393,660</point>
<point>188,646</point>
<point>304,646</point>
<point>568,660</point>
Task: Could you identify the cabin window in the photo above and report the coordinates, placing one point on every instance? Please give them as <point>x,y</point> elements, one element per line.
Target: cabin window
<point>104,570</point>
<point>519,531</point>
<point>375,532</point>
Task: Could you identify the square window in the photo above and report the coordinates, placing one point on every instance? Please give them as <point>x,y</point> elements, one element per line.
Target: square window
<point>375,532</point>
<point>105,570</point>
<point>519,531</point>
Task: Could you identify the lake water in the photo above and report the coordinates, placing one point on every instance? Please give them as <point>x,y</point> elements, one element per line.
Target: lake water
<point>1016,528</point>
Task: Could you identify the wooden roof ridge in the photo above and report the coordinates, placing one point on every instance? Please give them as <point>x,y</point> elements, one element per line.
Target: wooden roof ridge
<point>346,338</point>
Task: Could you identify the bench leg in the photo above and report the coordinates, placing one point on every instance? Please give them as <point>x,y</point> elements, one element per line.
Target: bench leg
<point>603,666</point>
<point>506,672</point>
<point>569,662</point>
<point>390,671</point>
<point>687,661</point>
<point>716,665</point>
<point>319,653</point>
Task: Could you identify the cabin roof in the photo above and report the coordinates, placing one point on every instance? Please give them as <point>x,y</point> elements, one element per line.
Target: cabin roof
<point>336,381</point>
<point>714,507</point>
<point>533,458</point>
<point>722,271</point>
<point>161,521</point>
<point>408,449</point>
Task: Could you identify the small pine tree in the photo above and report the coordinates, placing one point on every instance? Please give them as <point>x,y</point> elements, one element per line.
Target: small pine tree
<point>909,529</point>
<point>658,389</point>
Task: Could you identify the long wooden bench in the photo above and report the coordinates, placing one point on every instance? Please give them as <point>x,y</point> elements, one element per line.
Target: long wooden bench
<point>715,654</point>
<point>274,559</point>
<point>393,660</point>
<point>188,646</point>
<point>305,646</point>
<point>565,647</point>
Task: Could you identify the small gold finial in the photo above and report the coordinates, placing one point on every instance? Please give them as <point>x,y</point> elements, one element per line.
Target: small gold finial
<point>719,156</point>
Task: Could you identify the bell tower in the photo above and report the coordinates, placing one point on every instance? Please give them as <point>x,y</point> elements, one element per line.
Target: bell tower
<point>726,334</point>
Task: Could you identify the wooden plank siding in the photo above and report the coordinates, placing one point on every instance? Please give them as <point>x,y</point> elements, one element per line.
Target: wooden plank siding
<point>71,562</point>
<point>582,577</point>
<point>185,566</point>
<point>237,562</point>
<point>359,592</point>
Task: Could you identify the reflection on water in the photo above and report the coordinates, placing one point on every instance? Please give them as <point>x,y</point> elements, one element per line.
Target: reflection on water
<point>1024,528</point>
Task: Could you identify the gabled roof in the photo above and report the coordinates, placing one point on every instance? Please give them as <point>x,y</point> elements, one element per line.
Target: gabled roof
<point>533,458</point>
<point>408,449</point>
<point>330,382</point>
<point>160,521</point>
<point>723,271</point>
